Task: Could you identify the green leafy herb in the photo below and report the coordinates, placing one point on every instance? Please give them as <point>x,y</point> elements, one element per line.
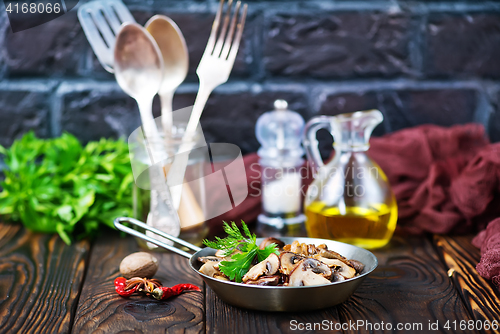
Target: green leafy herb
<point>241,262</point>
<point>57,185</point>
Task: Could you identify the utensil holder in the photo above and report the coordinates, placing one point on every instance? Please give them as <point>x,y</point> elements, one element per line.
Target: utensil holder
<point>192,208</point>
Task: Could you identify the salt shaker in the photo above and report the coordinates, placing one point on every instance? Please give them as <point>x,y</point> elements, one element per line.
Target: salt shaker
<point>280,132</point>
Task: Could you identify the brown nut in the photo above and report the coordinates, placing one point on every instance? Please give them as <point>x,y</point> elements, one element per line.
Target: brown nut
<point>140,264</point>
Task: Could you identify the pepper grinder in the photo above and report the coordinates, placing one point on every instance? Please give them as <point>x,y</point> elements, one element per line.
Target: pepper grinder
<point>280,132</point>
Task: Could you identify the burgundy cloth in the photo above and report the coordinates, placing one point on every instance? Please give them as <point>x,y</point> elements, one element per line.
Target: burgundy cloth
<point>489,243</point>
<point>446,180</point>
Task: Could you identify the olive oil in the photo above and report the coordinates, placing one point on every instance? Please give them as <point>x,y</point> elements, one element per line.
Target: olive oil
<point>370,227</point>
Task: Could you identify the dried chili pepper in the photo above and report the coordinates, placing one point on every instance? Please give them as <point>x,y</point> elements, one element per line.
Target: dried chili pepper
<point>126,287</point>
<point>165,292</point>
<point>153,287</point>
<point>121,285</point>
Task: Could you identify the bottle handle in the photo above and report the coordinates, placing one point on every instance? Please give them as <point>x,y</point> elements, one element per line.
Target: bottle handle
<point>311,143</point>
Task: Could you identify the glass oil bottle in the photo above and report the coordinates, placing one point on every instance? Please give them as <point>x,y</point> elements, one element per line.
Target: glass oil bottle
<point>350,199</point>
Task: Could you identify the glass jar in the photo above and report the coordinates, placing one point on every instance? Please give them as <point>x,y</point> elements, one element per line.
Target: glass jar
<point>190,225</point>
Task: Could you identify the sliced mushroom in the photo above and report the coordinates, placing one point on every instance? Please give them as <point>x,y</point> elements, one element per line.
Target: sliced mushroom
<point>340,266</point>
<point>318,267</point>
<point>221,253</point>
<point>265,268</point>
<point>322,246</point>
<point>311,250</point>
<point>296,247</point>
<point>304,249</point>
<point>211,268</point>
<point>266,280</point>
<point>329,254</point>
<point>310,272</point>
<point>336,277</point>
<point>205,259</point>
<point>271,240</point>
<point>357,265</point>
<point>288,262</point>
<point>329,262</point>
<point>221,277</point>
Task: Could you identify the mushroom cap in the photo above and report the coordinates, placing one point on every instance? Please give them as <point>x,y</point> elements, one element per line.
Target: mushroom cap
<point>318,267</point>
<point>205,259</point>
<point>210,268</point>
<point>340,266</point>
<point>357,265</point>
<point>266,280</point>
<point>271,240</point>
<point>336,277</point>
<point>267,267</point>
<point>310,272</point>
<point>221,253</point>
<point>329,254</point>
<point>288,262</point>
<point>221,277</point>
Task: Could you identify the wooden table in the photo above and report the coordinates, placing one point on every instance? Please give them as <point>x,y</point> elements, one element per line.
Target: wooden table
<point>49,287</point>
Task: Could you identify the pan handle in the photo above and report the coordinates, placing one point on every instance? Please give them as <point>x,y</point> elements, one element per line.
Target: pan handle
<point>118,224</point>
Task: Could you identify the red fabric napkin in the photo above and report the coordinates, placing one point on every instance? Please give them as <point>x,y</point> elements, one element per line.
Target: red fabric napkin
<point>489,243</point>
<point>446,180</point>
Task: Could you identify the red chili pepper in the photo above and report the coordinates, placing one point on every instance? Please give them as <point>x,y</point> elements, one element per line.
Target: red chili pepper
<point>166,292</point>
<point>120,284</point>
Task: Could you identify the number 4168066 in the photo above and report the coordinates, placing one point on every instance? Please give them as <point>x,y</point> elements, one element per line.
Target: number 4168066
<point>34,8</point>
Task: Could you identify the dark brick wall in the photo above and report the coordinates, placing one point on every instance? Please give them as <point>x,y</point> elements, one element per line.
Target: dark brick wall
<point>417,61</point>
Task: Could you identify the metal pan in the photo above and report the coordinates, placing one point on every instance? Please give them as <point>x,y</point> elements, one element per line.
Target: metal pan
<point>268,298</point>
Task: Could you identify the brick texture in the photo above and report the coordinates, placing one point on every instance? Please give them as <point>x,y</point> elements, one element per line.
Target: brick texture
<point>494,122</point>
<point>463,45</point>
<point>231,114</point>
<point>50,50</point>
<point>408,107</point>
<point>345,44</point>
<point>23,107</point>
<point>99,111</point>
<point>418,61</point>
<point>196,29</point>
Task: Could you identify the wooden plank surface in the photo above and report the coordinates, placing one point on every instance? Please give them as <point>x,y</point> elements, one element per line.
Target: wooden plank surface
<point>40,279</point>
<point>409,286</point>
<point>101,310</point>
<point>480,297</point>
<point>224,318</point>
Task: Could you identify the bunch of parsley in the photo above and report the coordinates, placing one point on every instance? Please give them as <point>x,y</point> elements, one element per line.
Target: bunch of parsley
<point>240,262</point>
<point>57,185</point>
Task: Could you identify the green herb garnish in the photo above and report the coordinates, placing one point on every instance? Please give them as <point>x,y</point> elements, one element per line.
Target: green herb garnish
<point>241,262</point>
<point>57,185</point>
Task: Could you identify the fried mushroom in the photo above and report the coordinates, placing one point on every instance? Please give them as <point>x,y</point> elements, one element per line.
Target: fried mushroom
<point>266,280</point>
<point>357,265</point>
<point>267,241</point>
<point>205,259</point>
<point>329,254</point>
<point>288,262</point>
<point>340,267</point>
<point>221,253</point>
<point>310,272</point>
<point>264,268</point>
<point>210,268</point>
